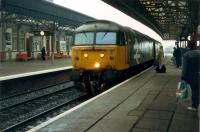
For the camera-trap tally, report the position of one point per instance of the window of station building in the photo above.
(1, 45)
(21, 42)
(14, 42)
(69, 41)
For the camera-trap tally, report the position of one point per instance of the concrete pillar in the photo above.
(18, 28)
(53, 42)
(2, 33)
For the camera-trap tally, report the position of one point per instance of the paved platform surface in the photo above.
(146, 103)
(18, 67)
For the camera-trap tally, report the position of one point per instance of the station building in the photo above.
(26, 29)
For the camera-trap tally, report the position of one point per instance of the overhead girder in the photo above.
(164, 14)
(134, 9)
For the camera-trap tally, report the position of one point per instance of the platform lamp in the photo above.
(42, 34)
(189, 38)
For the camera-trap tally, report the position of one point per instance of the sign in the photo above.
(166, 35)
(198, 30)
(183, 38)
(8, 39)
(63, 46)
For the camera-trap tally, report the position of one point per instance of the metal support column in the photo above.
(53, 43)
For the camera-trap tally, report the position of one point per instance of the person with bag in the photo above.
(160, 57)
(191, 72)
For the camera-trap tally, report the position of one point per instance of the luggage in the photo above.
(162, 70)
(182, 90)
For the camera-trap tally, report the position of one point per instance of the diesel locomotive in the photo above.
(104, 51)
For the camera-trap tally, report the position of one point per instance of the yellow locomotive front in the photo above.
(93, 58)
(98, 51)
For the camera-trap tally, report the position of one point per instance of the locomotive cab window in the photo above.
(121, 38)
(106, 37)
(86, 38)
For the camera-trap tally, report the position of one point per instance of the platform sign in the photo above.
(166, 35)
(198, 30)
(8, 39)
(183, 38)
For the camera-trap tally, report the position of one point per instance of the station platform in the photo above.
(19, 67)
(144, 103)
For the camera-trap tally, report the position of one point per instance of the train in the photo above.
(104, 51)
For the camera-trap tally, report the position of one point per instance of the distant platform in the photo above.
(15, 69)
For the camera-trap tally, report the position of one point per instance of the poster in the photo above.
(63, 46)
(8, 38)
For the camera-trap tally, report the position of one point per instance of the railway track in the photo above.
(21, 114)
(31, 95)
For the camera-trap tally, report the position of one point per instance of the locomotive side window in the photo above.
(121, 38)
(106, 38)
(84, 38)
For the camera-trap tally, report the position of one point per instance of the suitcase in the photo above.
(162, 70)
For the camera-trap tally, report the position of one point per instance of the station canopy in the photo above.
(169, 18)
(40, 12)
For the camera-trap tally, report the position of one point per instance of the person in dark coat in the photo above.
(43, 53)
(174, 56)
(178, 56)
(191, 72)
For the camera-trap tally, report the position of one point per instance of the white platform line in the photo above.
(33, 73)
(82, 104)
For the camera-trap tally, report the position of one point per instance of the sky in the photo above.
(100, 10)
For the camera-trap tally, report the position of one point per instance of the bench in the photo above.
(23, 56)
(58, 55)
(39, 56)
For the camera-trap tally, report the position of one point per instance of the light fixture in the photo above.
(42, 33)
(189, 37)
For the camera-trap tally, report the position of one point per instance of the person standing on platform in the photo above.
(178, 57)
(43, 53)
(160, 57)
(191, 72)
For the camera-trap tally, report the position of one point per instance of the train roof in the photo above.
(99, 25)
(105, 25)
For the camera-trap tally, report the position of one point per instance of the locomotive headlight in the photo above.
(85, 55)
(97, 65)
(101, 55)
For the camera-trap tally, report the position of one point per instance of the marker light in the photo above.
(85, 55)
(97, 65)
(102, 55)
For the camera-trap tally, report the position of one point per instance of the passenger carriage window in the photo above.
(106, 38)
(84, 38)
